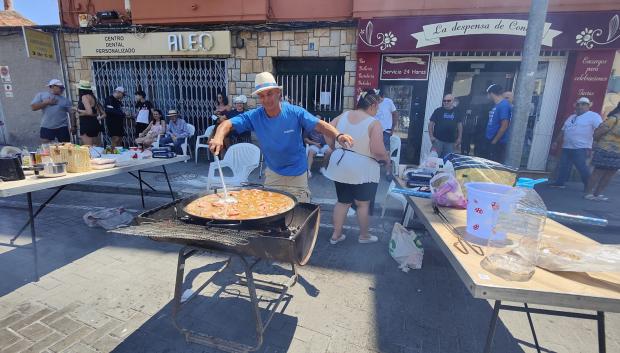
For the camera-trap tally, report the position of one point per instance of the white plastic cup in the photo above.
(484, 202)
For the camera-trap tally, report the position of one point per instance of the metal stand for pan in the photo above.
(249, 281)
(292, 245)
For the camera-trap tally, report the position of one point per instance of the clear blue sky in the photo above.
(41, 12)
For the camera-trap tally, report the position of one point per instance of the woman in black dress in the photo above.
(90, 114)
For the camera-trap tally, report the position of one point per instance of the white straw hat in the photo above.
(264, 81)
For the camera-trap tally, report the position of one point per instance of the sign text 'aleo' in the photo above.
(157, 43)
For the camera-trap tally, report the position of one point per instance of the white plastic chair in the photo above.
(241, 158)
(185, 146)
(398, 197)
(206, 135)
(318, 155)
(395, 144)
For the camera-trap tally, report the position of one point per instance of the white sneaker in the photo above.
(589, 197)
(334, 242)
(369, 240)
(601, 198)
(322, 170)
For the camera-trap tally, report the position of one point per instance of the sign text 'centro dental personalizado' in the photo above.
(156, 43)
(432, 33)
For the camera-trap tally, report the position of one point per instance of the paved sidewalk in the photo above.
(101, 292)
(570, 200)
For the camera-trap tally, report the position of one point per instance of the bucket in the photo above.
(484, 202)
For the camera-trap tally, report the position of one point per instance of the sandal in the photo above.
(336, 241)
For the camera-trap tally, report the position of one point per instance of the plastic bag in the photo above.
(446, 191)
(514, 240)
(108, 218)
(406, 248)
(472, 169)
(560, 255)
(431, 163)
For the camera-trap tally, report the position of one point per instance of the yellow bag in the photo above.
(475, 169)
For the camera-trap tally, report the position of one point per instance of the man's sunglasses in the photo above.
(61, 87)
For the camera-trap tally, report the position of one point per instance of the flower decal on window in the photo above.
(590, 37)
(585, 38)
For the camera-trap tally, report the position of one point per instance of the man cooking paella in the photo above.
(278, 126)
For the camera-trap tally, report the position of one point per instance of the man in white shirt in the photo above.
(388, 117)
(577, 135)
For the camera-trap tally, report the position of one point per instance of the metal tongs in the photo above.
(226, 199)
(460, 243)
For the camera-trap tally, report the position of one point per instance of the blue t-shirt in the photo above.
(280, 137)
(501, 111)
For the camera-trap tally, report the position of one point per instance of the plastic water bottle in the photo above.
(26, 160)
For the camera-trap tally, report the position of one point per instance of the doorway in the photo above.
(409, 100)
(315, 84)
(468, 82)
(189, 86)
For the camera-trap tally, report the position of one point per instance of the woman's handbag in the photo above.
(598, 137)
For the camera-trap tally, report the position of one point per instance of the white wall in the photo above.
(28, 76)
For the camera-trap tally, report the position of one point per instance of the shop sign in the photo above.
(366, 75)
(562, 31)
(156, 44)
(39, 44)
(432, 33)
(405, 67)
(589, 78)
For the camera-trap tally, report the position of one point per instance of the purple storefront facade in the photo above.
(416, 60)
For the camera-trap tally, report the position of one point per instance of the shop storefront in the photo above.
(185, 70)
(416, 60)
(177, 70)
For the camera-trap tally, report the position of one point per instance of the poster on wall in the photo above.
(366, 75)
(5, 74)
(405, 67)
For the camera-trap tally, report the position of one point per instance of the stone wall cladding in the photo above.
(257, 55)
(326, 42)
